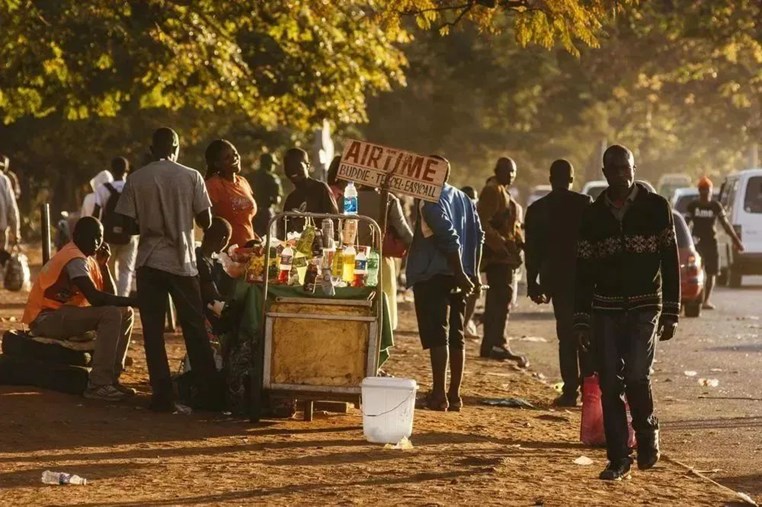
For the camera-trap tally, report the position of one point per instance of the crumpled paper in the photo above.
(403, 445)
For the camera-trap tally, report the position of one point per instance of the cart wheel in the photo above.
(309, 407)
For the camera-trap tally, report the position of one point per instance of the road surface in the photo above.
(714, 429)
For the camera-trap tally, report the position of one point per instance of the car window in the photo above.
(752, 202)
(731, 198)
(684, 239)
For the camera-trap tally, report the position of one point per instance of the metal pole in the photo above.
(45, 230)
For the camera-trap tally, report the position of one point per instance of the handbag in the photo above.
(393, 246)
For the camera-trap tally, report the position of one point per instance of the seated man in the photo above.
(73, 294)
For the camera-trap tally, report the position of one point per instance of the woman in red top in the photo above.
(231, 195)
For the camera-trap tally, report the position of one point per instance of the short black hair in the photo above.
(561, 169)
(119, 167)
(219, 227)
(164, 142)
(86, 228)
(470, 192)
(616, 153)
(292, 159)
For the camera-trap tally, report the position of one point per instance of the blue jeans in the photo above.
(624, 345)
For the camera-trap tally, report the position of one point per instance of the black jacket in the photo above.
(627, 265)
(552, 229)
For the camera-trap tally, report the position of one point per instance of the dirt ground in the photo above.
(484, 455)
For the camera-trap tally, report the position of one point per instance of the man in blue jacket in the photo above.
(443, 269)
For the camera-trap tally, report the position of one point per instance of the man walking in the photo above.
(268, 192)
(124, 246)
(164, 198)
(552, 227)
(702, 215)
(502, 217)
(443, 269)
(10, 223)
(627, 296)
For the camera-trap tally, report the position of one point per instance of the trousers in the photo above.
(573, 361)
(113, 330)
(497, 306)
(624, 345)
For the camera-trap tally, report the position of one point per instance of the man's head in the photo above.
(447, 163)
(165, 143)
(561, 174)
(267, 162)
(88, 235)
(5, 163)
(705, 188)
(505, 170)
(218, 234)
(119, 168)
(470, 192)
(619, 168)
(296, 165)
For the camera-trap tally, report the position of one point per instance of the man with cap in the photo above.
(702, 214)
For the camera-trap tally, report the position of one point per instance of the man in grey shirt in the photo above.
(164, 198)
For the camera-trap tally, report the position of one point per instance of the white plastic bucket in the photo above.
(388, 405)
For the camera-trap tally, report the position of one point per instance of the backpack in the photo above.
(114, 228)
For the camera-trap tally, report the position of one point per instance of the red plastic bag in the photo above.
(591, 431)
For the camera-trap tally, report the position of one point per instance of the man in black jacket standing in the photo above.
(552, 227)
(627, 296)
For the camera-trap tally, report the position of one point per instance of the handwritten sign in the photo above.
(407, 173)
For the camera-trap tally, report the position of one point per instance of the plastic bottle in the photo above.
(337, 266)
(350, 199)
(348, 272)
(361, 268)
(60, 478)
(373, 262)
(286, 260)
(311, 278)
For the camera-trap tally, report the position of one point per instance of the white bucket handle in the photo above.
(412, 393)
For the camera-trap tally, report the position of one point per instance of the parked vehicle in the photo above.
(692, 278)
(684, 196)
(668, 183)
(538, 192)
(595, 188)
(741, 196)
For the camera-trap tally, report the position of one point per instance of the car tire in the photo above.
(693, 309)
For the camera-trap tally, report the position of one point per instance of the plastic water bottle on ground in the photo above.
(61, 478)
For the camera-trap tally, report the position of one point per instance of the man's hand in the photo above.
(667, 328)
(583, 338)
(739, 245)
(14, 238)
(477, 281)
(103, 254)
(464, 283)
(536, 294)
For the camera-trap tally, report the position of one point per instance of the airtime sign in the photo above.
(407, 173)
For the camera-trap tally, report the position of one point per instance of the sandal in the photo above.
(456, 403)
(429, 402)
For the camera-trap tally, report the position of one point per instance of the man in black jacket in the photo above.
(627, 296)
(552, 227)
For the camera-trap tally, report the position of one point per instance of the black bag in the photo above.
(114, 226)
(22, 371)
(17, 274)
(19, 344)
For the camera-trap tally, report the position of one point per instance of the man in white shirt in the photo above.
(10, 224)
(124, 247)
(162, 200)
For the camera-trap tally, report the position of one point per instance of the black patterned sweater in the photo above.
(627, 265)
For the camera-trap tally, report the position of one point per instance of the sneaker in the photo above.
(128, 391)
(103, 393)
(617, 470)
(648, 449)
(565, 400)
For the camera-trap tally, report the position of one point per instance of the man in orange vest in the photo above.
(74, 294)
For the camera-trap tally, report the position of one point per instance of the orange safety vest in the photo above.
(53, 288)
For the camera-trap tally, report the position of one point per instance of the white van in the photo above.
(741, 196)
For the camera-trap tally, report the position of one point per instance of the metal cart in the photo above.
(313, 348)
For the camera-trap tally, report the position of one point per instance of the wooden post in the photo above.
(45, 230)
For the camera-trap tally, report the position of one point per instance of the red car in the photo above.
(691, 269)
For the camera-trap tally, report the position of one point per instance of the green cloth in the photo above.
(247, 302)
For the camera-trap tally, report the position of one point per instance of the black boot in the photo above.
(648, 448)
(617, 470)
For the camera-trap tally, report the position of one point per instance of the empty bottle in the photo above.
(350, 199)
(60, 478)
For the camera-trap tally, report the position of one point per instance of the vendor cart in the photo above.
(314, 347)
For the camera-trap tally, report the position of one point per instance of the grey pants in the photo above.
(112, 326)
(122, 264)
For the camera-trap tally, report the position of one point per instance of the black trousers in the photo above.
(573, 361)
(153, 288)
(497, 306)
(440, 313)
(624, 346)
